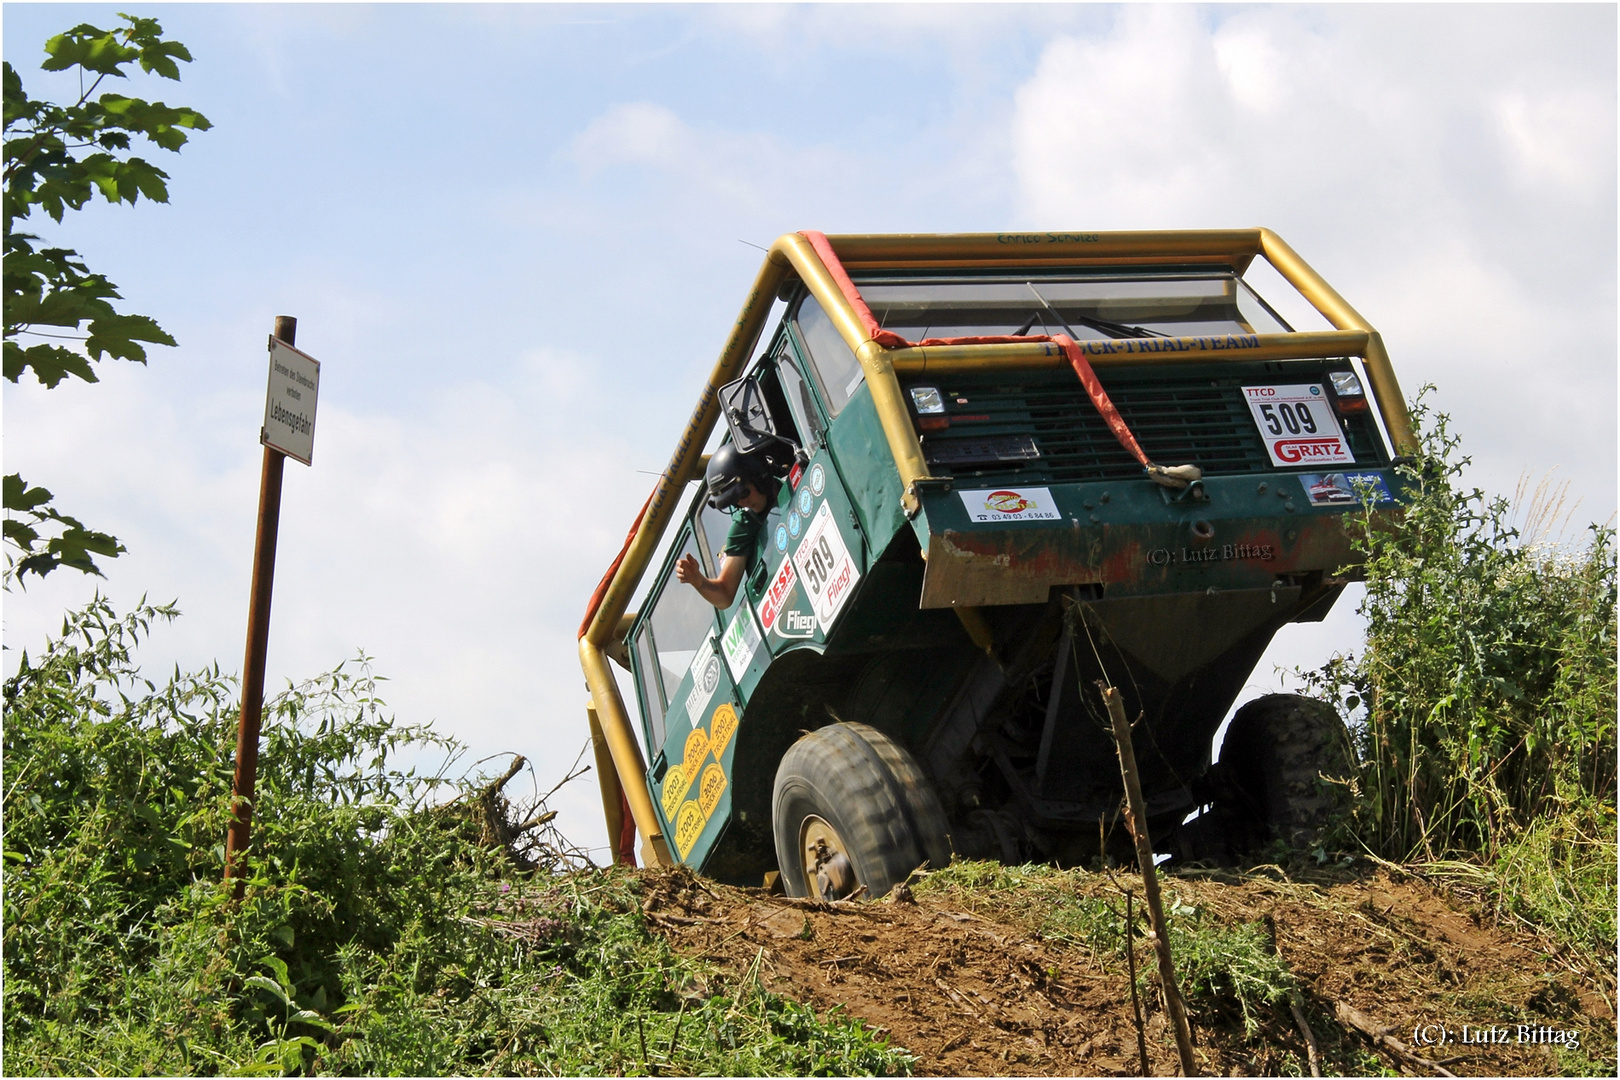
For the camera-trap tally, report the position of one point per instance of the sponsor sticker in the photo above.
(829, 573)
(806, 500)
(688, 827)
(696, 749)
(818, 480)
(675, 785)
(739, 642)
(1345, 488)
(780, 589)
(1010, 504)
(705, 678)
(794, 623)
(781, 538)
(793, 524)
(710, 788)
(1298, 425)
(722, 726)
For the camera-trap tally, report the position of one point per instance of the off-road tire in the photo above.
(869, 789)
(1285, 759)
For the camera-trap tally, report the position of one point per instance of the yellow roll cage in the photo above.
(792, 253)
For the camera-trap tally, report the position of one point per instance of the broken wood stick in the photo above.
(1136, 817)
(1380, 1035)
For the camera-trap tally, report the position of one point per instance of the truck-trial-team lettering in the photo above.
(1214, 553)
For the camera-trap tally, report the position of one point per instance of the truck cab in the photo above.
(1005, 470)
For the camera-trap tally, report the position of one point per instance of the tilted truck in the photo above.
(1006, 467)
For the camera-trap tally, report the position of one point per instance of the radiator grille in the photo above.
(1178, 421)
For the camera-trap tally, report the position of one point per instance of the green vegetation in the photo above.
(382, 930)
(57, 158)
(1483, 704)
(1220, 964)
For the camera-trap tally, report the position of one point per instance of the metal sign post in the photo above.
(288, 431)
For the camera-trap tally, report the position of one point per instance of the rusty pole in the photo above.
(258, 642)
(1135, 813)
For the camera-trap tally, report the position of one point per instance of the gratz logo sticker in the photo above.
(818, 479)
(829, 573)
(740, 641)
(1298, 425)
(1010, 504)
(780, 589)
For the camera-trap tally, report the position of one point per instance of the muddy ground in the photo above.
(966, 981)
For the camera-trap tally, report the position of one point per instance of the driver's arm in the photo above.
(719, 591)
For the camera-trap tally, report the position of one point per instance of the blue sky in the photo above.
(516, 235)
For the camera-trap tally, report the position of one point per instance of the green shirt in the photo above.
(743, 536)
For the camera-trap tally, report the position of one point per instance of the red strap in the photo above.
(602, 587)
(624, 850)
(891, 340)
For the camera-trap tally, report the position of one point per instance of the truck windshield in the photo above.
(1087, 308)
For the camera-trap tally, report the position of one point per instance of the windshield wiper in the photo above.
(1112, 329)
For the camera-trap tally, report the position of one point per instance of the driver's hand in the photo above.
(687, 570)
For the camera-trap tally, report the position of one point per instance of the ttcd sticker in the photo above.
(1298, 425)
(1010, 504)
(829, 573)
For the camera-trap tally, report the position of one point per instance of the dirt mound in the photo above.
(974, 980)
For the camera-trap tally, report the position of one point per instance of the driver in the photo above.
(744, 486)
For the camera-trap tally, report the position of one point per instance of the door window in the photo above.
(801, 403)
(835, 365)
(680, 625)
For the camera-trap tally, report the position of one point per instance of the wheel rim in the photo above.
(828, 871)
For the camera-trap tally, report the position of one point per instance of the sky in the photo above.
(517, 235)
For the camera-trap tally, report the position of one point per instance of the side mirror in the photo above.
(753, 429)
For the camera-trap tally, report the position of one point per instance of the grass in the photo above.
(382, 930)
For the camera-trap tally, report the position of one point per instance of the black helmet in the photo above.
(729, 476)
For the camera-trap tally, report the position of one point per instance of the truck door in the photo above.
(689, 703)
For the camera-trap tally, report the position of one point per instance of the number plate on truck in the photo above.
(1298, 425)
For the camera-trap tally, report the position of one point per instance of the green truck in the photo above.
(1001, 469)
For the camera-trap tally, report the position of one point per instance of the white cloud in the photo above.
(1451, 171)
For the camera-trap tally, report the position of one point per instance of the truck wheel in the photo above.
(1285, 757)
(852, 808)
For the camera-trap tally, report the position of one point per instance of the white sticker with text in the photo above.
(740, 641)
(1298, 425)
(824, 564)
(1010, 504)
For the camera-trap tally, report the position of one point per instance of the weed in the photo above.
(382, 930)
(1483, 703)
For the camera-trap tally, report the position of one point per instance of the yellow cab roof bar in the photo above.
(792, 254)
